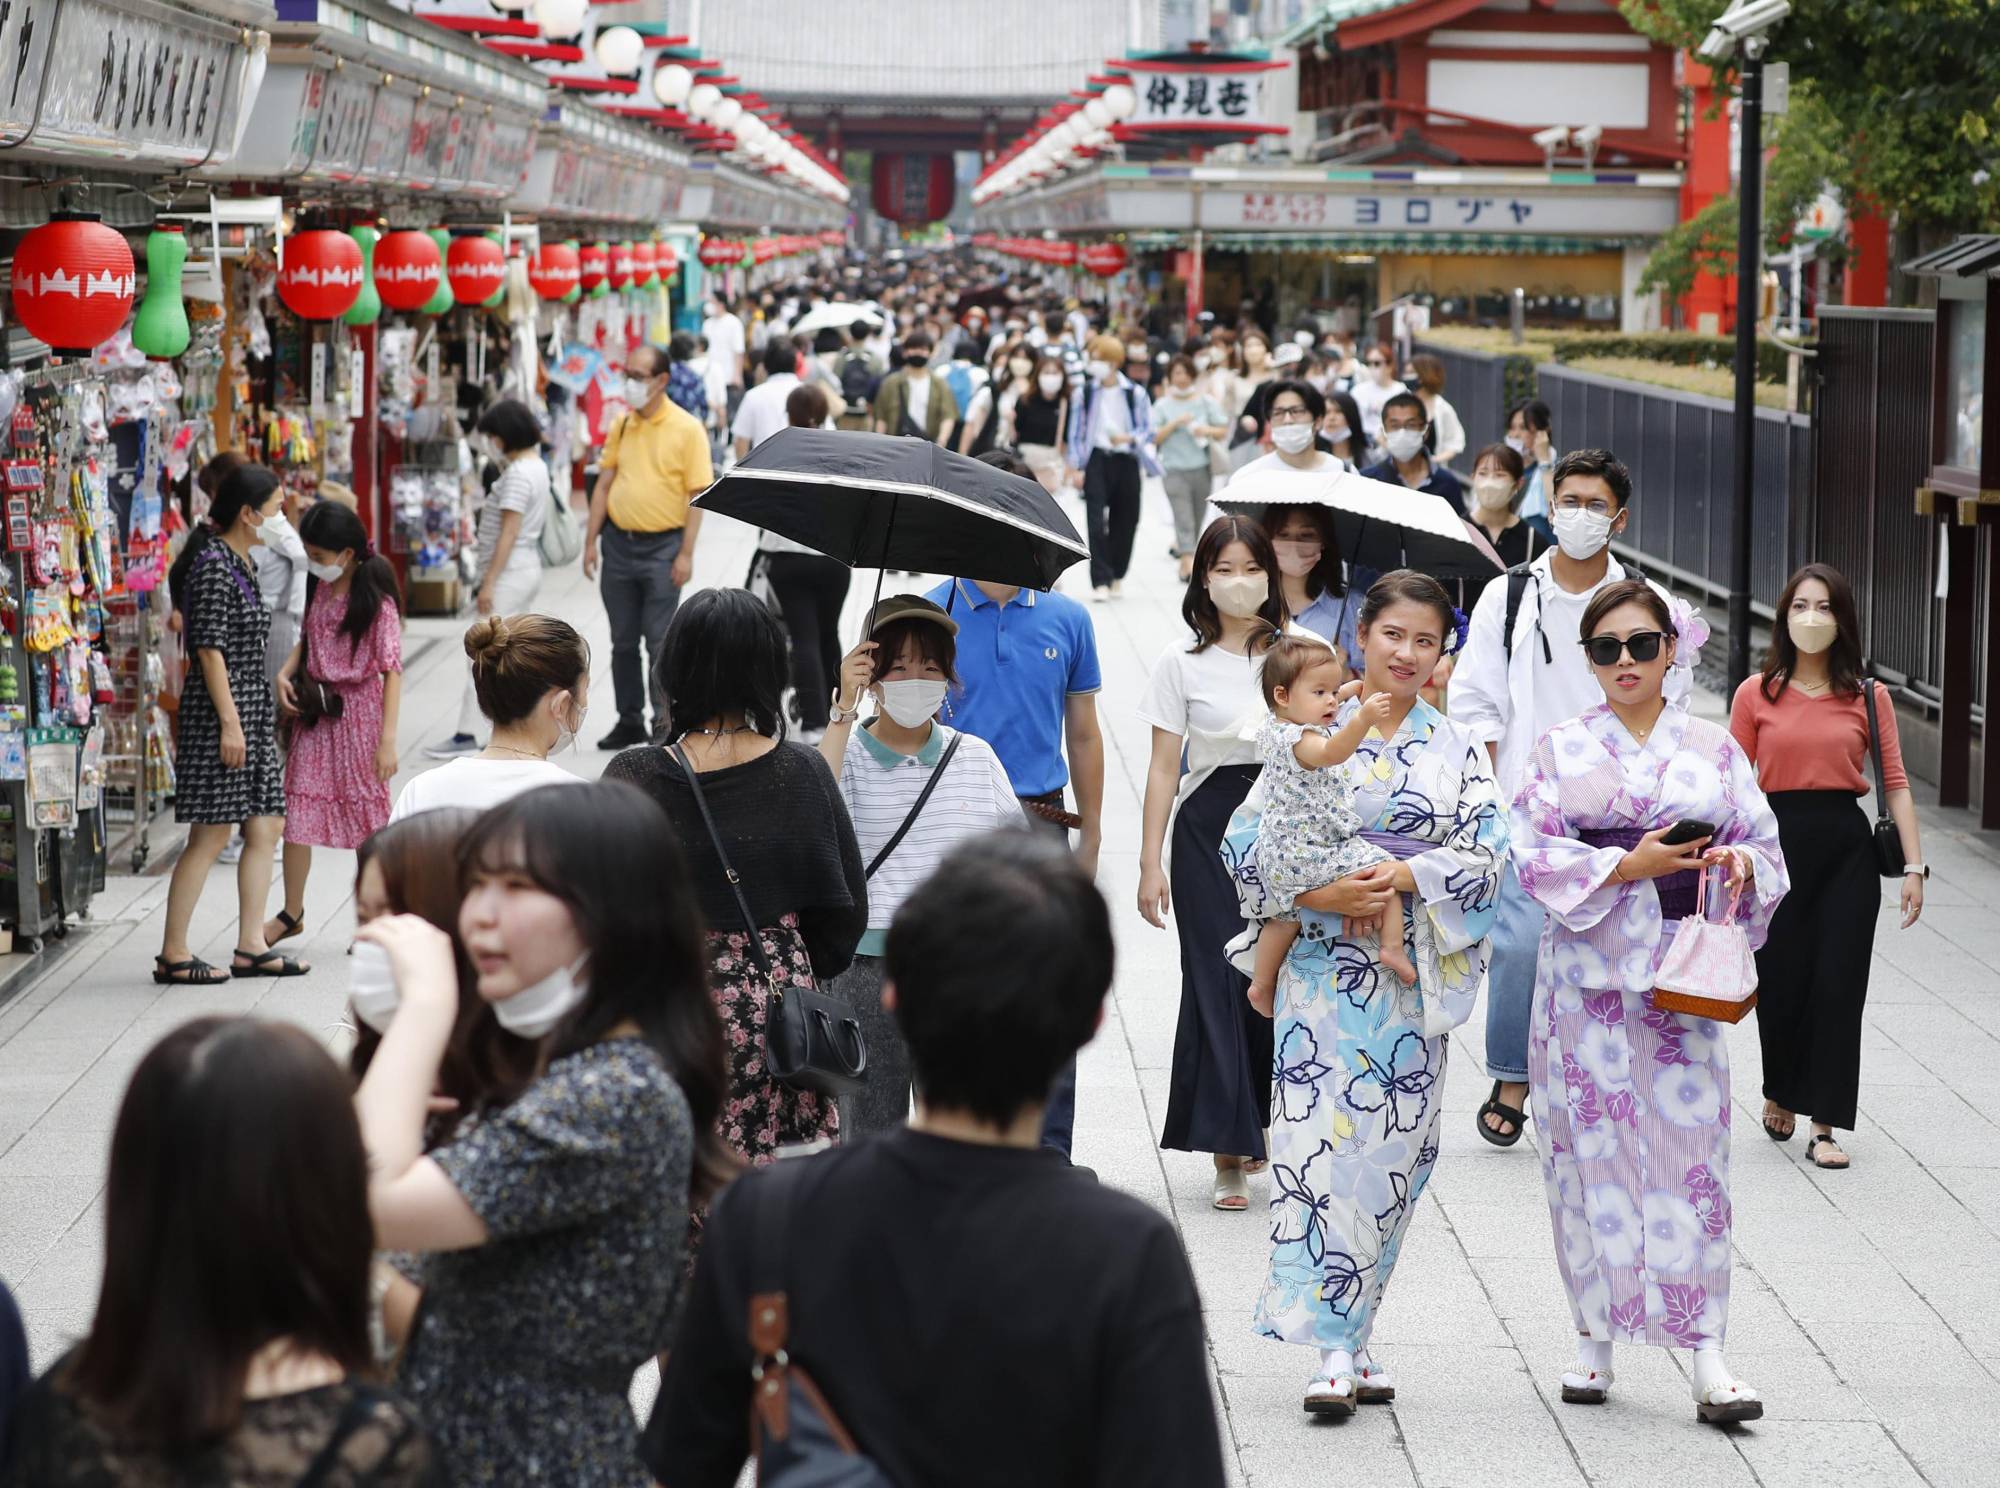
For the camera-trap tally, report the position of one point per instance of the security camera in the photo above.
(1552, 138)
(1745, 20)
(1589, 135)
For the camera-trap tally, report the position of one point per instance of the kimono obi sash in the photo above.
(1398, 845)
(1676, 890)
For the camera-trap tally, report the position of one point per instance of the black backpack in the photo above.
(858, 381)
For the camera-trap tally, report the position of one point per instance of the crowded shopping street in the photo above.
(1108, 744)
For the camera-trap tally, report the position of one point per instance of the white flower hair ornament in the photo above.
(1690, 632)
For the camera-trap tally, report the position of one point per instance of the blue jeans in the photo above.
(1510, 979)
(1059, 1116)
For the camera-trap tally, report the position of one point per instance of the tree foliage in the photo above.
(1896, 101)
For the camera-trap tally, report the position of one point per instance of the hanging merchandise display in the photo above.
(74, 281)
(321, 275)
(160, 329)
(595, 262)
(408, 269)
(475, 268)
(555, 271)
(367, 306)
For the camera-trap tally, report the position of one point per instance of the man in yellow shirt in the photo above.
(655, 460)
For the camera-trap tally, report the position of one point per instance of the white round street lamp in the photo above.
(671, 84)
(620, 50)
(701, 101)
(1121, 100)
(561, 20)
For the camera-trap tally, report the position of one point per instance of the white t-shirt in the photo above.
(523, 487)
(725, 344)
(476, 784)
(974, 796)
(762, 411)
(1369, 396)
(1323, 464)
(918, 398)
(1212, 690)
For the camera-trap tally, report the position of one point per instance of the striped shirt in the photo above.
(880, 786)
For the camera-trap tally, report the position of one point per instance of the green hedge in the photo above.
(1677, 347)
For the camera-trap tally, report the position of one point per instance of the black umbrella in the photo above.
(886, 501)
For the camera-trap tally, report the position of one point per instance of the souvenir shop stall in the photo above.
(102, 409)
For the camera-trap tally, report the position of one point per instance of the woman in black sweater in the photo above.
(724, 666)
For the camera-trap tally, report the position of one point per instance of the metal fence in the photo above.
(1476, 386)
(1680, 448)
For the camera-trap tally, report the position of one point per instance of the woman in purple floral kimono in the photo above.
(1631, 1103)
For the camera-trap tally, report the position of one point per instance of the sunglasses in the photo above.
(1644, 645)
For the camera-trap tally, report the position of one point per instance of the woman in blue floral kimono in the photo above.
(1631, 1102)
(1360, 1058)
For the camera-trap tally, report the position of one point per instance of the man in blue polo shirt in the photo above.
(1027, 665)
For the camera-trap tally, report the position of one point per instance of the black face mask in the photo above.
(916, 361)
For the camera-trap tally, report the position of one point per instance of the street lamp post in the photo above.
(1749, 266)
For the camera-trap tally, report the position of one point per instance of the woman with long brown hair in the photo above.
(1805, 725)
(230, 1345)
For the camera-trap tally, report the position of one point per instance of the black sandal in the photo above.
(1517, 1119)
(1783, 1134)
(293, 925)
(193, 972)
(262, 964)
(1812, 1146)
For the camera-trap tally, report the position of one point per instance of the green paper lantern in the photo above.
(494, 300)
(160, 329)
(443, 300)
(575, 290)
(366, 310)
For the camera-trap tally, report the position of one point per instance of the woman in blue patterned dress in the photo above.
(558, 1223)
(1359, 1068)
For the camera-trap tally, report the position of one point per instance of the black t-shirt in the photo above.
(974, 1315)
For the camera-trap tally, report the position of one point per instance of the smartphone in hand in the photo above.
(1686, 831)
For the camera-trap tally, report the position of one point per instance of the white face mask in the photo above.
(638, 392)
(565, 733)
(1811, 631)
(326, 573)
(1403, 444)
(1095, 370)
(1492, 491)
(1240, 596)
(1292, 438)
(1579, 533)
(912, 701)
(1337, 430)
(371, 985)
(1050, 383)
(1201, 361)
(1303, 338)
(1020, 368)
(534, 1010)
(1518, 445)
(1297, 557)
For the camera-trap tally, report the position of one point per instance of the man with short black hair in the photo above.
(972, 1311)
(1405, 422)
(914, 400)
(762, 411)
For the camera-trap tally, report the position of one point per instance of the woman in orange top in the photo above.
(1804, 725)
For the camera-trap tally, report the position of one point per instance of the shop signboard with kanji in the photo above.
(1211, 95)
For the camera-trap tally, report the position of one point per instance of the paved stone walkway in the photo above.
(1864, 1303)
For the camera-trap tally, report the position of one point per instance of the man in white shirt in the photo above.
(1511, 695)
(726, 345)
(762, 411)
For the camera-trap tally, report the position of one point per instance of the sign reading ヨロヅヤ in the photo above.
(1595, 212)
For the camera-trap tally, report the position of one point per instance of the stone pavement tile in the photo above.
(1916, 1351)
(1240, 1354)
(49, 1150)
(1977, 1188)
(1938, 1125)
(1947, 1431)
(1963, 1296)
(1519, 1228)
(1474, 1416)
(1888, 983)
(1842, 1292)
(39, 1212)
(1313, 1458)
(1796, 1384)
(59, 1295)
(1812, 1454)
(1527, 1287)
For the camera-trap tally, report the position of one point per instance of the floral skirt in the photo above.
(761, 1115)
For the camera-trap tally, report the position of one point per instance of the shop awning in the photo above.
(1379, 243)
(721, 197)
(360, 94)
(148, 83)
(590, 167)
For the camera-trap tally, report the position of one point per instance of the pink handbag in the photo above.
(1709, 971)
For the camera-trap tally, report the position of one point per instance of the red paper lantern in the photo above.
(476, 266)
(1058, 253)
(717, 251)
(914, 188)
(320, 275)
(645, 265)
(1104, 259)
(595, 262)
(408, 269)
(666, 262)
(73, 282)
(555, 270)
(624, 267)
(763, 250)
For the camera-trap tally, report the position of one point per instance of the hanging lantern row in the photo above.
(1103, 259)
(721, 252)
(1053, 251)
(1067, 134)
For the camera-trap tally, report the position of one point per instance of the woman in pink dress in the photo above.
(349, 663)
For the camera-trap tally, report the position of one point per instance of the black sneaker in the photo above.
(624, 736)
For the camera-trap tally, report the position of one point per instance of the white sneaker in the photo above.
(1099, 594)
(456, 747)
(232, 850)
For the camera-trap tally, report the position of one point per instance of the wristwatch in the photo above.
(837, 714)
(1922, 870)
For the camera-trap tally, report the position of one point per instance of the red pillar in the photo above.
(1713, 295)
(1868, 263)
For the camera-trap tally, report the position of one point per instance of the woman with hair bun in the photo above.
(227, 770)
(532, 677)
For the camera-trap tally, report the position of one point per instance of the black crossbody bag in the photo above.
(812, 1041)
(1889, 858)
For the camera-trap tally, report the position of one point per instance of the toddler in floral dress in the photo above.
(349, 663)
(1311, 833)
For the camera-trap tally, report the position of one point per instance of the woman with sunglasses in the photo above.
(1805, 725)
(1372, 392)
(1631, 1103)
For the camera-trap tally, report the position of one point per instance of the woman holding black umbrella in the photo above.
(1219, 1099)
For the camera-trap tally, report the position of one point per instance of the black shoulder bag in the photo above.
(795, 1438)
(1889, 858)
(811, 1041)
